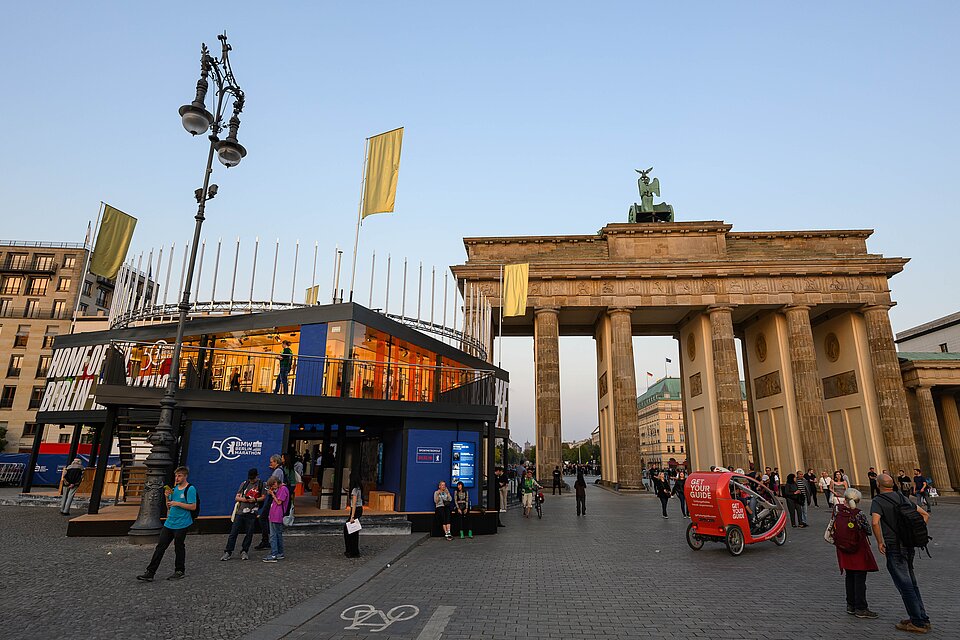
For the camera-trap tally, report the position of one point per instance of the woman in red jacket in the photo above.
(851, 533)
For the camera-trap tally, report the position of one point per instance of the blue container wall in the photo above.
(422, 477)
(392, 461)
(219, 455)
(313, 342)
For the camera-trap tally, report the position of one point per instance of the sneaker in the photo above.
(281, 557)
(866, 613)
(906, 625)
(176, 575)
(907, 621)
(244, 556)
(262, 547)
(270, 559)
(148, 577)
(226, 556)
(851, 611)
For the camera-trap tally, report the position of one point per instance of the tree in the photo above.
(3, 440)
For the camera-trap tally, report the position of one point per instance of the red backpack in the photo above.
(847, 533)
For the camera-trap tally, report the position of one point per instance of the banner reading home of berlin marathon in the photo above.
(113, 240)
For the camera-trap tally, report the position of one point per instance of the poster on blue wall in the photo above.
(220, 455)
(463, 466)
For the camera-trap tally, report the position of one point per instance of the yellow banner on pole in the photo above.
(383, 169)
(313, 294)
(515, 289)
(113, 240)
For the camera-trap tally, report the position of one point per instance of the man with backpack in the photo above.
(249, 498)
(901, 528)
(182, 506)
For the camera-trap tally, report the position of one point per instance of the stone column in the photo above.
(733, 431)
(931, 434)
(546, 361)
(951, 431)
(624, 382)
(808, 390)
(891, 396)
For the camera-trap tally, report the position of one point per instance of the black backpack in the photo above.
(909, 525)
(196, 512)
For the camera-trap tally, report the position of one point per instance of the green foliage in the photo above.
(3, 440)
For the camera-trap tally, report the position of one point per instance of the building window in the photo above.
(32, 310)
(38, 286)
(16, 364)
(35, 396)
(11, 285)
(82, 308)
(101, 297)
(63, 438)
(943, 348)
(69, 262)
(43, 365)
(5, 308)
(7, 396)
(23, 334)
(17, 261)
(48, 336)
(86, 287)
(681, 448)
(64, 284)
(29, 429)
(59, 309)
(43, 263)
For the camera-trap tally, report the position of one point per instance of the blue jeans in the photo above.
(803, 511)
(900, 566)
(276, 539)
(67, 499)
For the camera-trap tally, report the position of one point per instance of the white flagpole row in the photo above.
(386, 297)
(273, 279)
(296, 258)
(203, 249)
(253, 272)
(373, 270)
(166, 286)
(216, 273)
(313, 277)
(233, 281)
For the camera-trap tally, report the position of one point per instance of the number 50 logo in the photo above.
(226, 449)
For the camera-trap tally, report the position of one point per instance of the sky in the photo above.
(520, 119)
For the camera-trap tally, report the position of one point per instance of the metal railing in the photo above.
(265, 371)
(42, 245)
(33, 312)
(24, 266)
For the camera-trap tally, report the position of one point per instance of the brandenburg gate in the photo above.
(810, 308)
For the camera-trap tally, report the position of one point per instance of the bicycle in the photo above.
(538, 503)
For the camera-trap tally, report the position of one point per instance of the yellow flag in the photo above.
(313, 293)
(113, 240)
(515, 289)
(383, 168)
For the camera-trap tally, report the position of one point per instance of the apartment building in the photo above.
(39, 287)
(660, 416)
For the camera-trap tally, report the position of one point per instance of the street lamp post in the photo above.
(196, 120)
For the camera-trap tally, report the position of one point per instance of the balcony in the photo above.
(35, 266)
(254, 372)
(34, 313)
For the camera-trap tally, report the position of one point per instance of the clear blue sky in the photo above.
(521, 118)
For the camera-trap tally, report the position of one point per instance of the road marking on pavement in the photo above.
(369, 618)
(437, 623)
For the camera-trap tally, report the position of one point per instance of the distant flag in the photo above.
(87, 238)
(515, 278)
(383, 170)
(649, 375)
(113, 240)
(312, 294)
(668, 360)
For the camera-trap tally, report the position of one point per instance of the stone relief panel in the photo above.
(602, 385)
(831, 346)
(767, 385)
(760, 346)
(842, 384)
(696, 385)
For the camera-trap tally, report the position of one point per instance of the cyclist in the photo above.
(528, 488)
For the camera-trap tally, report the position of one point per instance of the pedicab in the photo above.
(733, 509)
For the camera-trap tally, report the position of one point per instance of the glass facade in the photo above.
(377, 366)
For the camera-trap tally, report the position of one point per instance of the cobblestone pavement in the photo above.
(57, 587)
(624, 572)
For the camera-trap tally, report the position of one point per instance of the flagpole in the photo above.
(86, 265)
(500, 323)
(356, 240)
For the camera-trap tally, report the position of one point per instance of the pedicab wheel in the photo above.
(781, 538)
(735, 541)
(695, 541)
